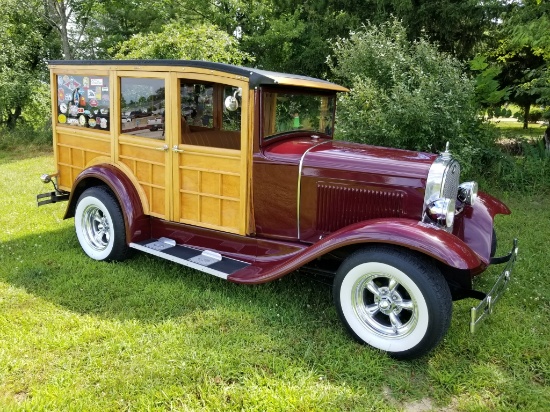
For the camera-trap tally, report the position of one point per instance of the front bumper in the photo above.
(485, 307)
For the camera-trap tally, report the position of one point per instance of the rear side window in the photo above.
(83, 101)
(142, 107)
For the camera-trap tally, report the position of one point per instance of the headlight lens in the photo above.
(442, 211)
(467, 193)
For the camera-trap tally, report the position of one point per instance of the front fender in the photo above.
(424, 238)
(135, 221)
(475, 224)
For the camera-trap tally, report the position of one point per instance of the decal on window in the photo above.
(80, 99)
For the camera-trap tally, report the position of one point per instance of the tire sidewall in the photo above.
(370, 336)
(425, 285)
(95, 197)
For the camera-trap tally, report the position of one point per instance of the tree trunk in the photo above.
(58, 13)
(12, 118)
(526, 111)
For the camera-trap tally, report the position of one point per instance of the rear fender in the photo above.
(135, 220)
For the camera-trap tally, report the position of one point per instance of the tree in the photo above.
(458, 27)
(203, 42)
(69, 18)
(112, 22)
(404, 94)
(27, 41)
(524, 54)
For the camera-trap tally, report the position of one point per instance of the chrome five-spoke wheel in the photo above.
(96, 228)
(384, 305)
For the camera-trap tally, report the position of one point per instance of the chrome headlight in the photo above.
(467, 193)
(442, 211)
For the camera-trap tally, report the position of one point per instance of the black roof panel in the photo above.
(256, 76)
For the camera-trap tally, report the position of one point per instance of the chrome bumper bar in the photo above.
(485, 307)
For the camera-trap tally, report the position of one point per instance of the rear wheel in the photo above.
(99, 225)
(393, 300)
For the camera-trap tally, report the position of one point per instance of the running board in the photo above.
(206, 261)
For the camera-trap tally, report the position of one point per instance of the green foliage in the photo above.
(457, 27)
(487, 87)
(527, 173)
(499, 111)
(25, 43)
(535, 115)
(405, 94)
(523, 53)
(37, 112)
(203, 42)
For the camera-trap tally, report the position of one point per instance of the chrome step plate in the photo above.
(206, 261)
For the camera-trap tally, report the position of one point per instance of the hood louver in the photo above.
(340, 206)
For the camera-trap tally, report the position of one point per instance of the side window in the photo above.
(197, 104)
(210, 114)
(142, 107)
(83, 101)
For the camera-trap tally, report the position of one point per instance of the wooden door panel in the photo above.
(148, 165)
(210, 187)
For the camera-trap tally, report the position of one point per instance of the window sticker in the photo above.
(83, 101)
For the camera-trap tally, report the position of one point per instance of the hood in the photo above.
(352, 157)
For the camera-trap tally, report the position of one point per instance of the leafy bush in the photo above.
(37, 113)
(406, 95)
(203, 42)
(535, 115)
(499, 111)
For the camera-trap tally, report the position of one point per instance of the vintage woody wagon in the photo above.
(234, 172)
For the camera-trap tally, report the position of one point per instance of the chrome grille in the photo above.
(451, 180)
(442, 182)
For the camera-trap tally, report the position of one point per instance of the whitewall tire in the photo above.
(393, 300)
(99, 225)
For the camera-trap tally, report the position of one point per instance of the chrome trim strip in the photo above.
(299, 190)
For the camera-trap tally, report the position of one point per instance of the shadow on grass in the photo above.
(53, 266)
(290, 323)
(292, 318)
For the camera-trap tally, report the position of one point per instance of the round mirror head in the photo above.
(231, 103)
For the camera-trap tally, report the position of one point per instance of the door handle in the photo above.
(176, 150)
(164, 148)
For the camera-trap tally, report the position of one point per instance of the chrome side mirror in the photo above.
(231, 103)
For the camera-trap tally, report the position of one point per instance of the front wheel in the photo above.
(393, 300)
(100, 226)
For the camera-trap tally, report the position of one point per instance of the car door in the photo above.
(211, 152)
(143, 136)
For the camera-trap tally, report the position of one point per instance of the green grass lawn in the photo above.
(514, 130)
(146, 334)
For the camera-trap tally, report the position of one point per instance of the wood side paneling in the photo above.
(210, 188)
(74, 152)
(148, 166)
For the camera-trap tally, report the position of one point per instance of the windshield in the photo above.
(285, 112)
